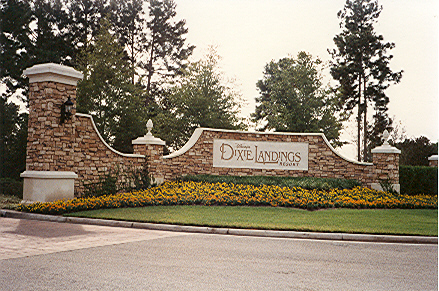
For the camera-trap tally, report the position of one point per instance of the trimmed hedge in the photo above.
(418, 180)
(11, 187)
(309, 183)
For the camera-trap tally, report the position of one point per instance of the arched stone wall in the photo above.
(75, 148)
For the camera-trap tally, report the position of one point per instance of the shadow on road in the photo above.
(39, 229)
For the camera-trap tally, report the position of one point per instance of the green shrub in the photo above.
(11, 187)
(303, 182)
(106, 185)
(418, 180)
(116, 181)
(139, 179)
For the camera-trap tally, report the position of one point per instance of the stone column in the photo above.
(386, 163)
(152, 148)
(432, 161)
(51, 134)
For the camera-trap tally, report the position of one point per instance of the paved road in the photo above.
(41, 255)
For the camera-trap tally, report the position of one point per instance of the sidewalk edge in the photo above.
(226, 231)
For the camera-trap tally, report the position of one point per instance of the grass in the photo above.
(373, 221)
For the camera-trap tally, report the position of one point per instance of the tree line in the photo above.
(136, 65)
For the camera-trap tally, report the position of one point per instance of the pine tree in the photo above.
(82, 21)
(15, 43)
(293, 99)
(166, 53)
(361, 66)
(130, 24)
(51, 43)
(202, 97)
(107, 93)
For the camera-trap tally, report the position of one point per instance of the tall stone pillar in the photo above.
(386, 162)
(432, 161)
(152, 148)
(50, 142)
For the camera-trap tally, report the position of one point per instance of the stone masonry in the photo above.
(76, 146)
(323, 161)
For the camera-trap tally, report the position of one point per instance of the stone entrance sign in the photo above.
(260, 155)
(66, 156)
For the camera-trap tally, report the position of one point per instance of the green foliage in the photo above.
(11, 187)
(107, 92)
(129, 22)
(13, 140)
(293, 99)
(67, 32)
(15, 19)
(81, 22)
(117, 180)
(9, 201)
(139, 179)
(200, 98)
(387, 186)
(165, 50)
(361, 67)
(51, 43)
(418, 180)
(302, 182)
(106, 185)
(416, 151)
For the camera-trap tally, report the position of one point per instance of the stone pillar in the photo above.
(50, 142)
(152, 148)
(386, 163)
(432, 161)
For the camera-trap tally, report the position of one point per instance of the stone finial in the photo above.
(149, 126)
(386, 148)
(148, 138)
(386, 136)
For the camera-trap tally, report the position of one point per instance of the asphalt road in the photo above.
(41, 255)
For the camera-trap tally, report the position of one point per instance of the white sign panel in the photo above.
(260, 154)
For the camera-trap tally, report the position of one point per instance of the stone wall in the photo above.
(93, 158)
(75, 145)
(323, 161)
(49, 143)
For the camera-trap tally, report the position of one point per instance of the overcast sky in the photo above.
(250, 33)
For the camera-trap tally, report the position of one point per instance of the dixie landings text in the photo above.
(260, 155)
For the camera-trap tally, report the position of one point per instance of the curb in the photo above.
(226, 231)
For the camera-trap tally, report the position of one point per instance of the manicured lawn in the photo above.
(373, 221)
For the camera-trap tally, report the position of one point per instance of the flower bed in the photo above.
(199, 193)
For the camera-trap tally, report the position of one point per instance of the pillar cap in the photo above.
(433, 158)
(51, 72)
(148, 138)
(49, 175)
(385, 149)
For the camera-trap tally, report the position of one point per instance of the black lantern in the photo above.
(66, 110)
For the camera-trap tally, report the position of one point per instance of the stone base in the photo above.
(377, 186)
(158, 180)
(48, 186)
